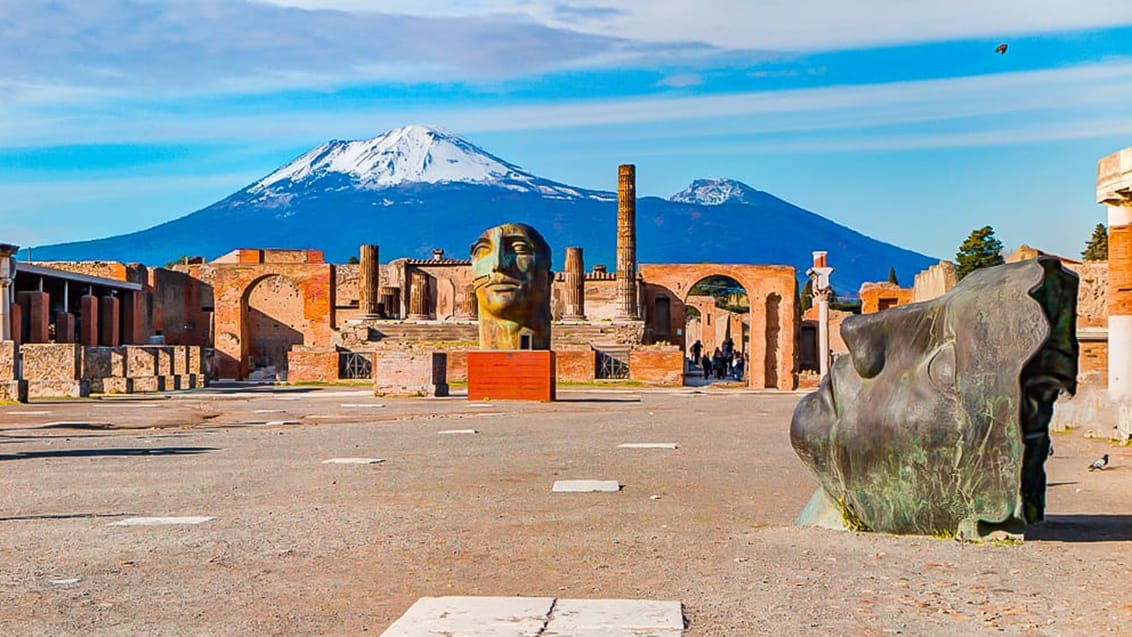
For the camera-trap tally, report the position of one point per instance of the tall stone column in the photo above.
(7, 284)
(627, 242)
(110, 321)
(418, 296)
(369, 275)
(823, 292)
(39, 317)
(575, 279)
(467, 307)
(88, 320)
(1114, 190)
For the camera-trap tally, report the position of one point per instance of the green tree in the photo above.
(178, 261)
(806, 298)
(352, 260)
(980, 250)
(1096, 249)
(892, 275)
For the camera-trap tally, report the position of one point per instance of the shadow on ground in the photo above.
(88, 453)
(1083, 528)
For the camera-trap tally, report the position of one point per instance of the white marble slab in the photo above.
(615, 618)
(362, 405)
(274, 423)
(473, 617)
(585, 486)
(458, 431)
(647, 445)
(270, 411)
(27, 413)
(353, 461)
(161, 521)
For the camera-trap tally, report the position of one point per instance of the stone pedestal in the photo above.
(511, 375)
(410, 373)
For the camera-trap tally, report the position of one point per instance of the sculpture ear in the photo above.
(866, 340)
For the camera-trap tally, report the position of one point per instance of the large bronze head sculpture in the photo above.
(511, 277)
(937, 420)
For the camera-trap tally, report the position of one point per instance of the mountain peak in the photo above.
(713, 192)
(410, 154)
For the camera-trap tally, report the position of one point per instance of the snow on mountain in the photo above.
(713, 192)
(406, 155)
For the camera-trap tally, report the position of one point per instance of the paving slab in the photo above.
(270, 411)
(362, 405)
(615, 618)
(273, 423)
(458, 431)
(647, 445)
(353, 461)
(473, 617)
(162, 521)
(27, 413)
(585, 486)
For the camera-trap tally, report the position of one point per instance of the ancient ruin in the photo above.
(937, 422)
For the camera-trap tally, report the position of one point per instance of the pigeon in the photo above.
(1099, 464)
(1000, 49)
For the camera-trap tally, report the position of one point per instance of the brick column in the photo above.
(390, 302)
(1114, 190)
(88, 320)
(110, 313)
(418, 296)
(575, 279)
(64, 327)
(16, 323)
(369, 279)
(39, 317)
(132, 315)
(627, 242)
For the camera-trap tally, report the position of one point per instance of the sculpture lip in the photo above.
(504, 285)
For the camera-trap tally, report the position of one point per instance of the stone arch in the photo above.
(770, 288)
(272, 309)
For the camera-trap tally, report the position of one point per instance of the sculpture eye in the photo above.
(480, 249)
(522, 247)
(941, 367)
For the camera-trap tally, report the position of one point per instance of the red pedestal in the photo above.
(511, 375)
(64, 327)
(109, 322)
(88, 321)
(39, 317)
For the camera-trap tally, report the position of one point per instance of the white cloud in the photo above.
(780, 24)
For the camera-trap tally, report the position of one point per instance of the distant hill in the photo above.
(417, 188)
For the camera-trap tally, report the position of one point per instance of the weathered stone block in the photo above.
(657, 366)
(13, 390)
(51, 362)
(144, 384)
(410, 373)
(58, 389)
(140, 362)
(112, 385)
(7, 360)
(180, 359)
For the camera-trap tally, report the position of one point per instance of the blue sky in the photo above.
(895, 118)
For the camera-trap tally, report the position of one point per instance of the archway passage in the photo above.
(717, 325)
(272, 324)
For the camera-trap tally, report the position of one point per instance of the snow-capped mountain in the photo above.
(418, 188)
(413, 154)
(713, 192)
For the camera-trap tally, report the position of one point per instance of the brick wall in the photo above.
(575, 365)
(657, 366)
(312, 365)
(1092, 364)
(883, 295)
(409, 373)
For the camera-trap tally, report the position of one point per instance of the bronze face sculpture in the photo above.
(511, 277)
(937, 420)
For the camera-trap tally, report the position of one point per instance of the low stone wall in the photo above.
(71, 370)
(575, 365)
(657, 366)
(410, 372)
(53, 370)
(312, 365)
(7, 360)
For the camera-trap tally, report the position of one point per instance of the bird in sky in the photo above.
(1099, 464)
(1000, 49)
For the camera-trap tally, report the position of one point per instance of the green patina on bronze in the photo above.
(937, 421)
(511, 276)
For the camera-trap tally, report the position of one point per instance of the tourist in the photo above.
(718, 363)
(705, 362)
(737, 366)
(697, 347)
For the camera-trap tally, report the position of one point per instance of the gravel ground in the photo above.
(301, 547)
